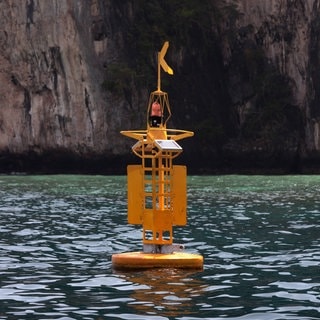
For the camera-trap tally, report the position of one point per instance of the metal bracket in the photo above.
(163, 248)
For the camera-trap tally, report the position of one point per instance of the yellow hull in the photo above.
(141, 260)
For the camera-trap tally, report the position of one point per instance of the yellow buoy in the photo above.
(157, 193)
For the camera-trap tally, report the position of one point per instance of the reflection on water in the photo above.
(170, 292)
(259, 236)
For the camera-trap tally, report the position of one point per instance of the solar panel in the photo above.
(168, 145)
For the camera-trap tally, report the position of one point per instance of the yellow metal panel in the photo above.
(157, 133)
(135, 194)
(179, 195)
(162, 219)
(148, 220)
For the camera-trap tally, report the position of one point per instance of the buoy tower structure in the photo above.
(157, 189)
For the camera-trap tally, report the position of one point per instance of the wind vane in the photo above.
(157, 189)
(163, 63)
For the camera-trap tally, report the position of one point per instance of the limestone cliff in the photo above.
(50, 79)
(287, 32)
(74, 73)
(269, 50)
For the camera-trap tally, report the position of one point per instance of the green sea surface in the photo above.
(259, 236)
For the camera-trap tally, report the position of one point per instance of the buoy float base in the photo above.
(141, 260)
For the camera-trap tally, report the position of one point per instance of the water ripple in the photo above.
(258, 235)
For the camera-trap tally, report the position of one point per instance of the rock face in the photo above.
(288, 33)
(58, 57)
(50, 78)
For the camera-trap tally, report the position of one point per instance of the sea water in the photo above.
(259, 236)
